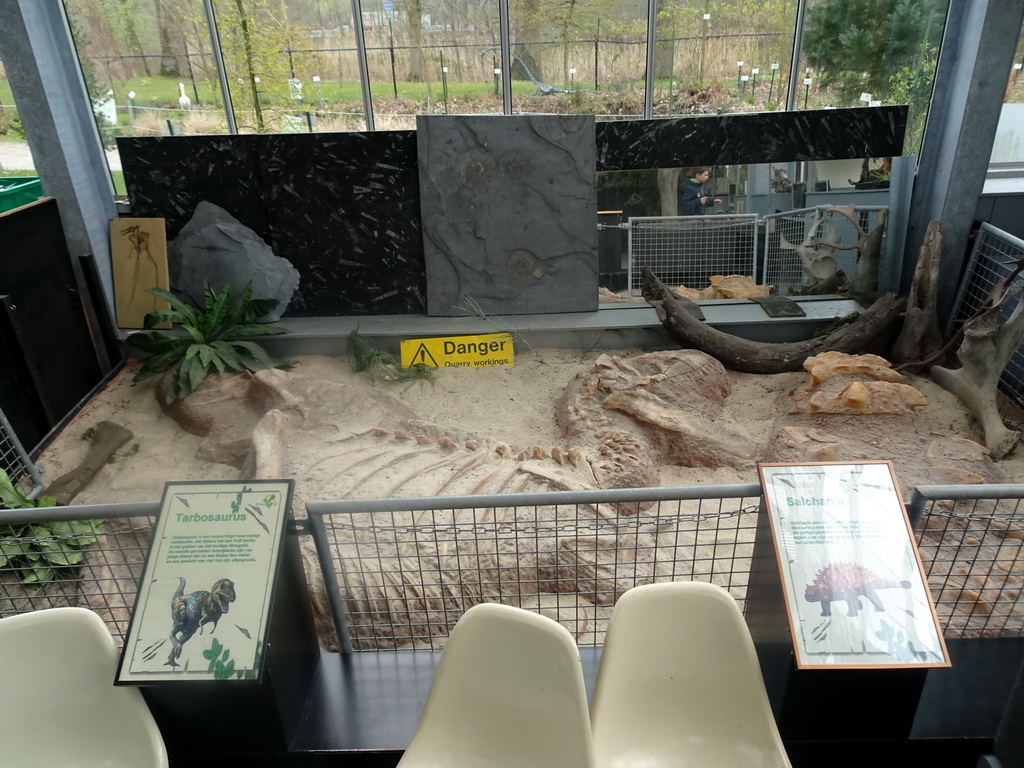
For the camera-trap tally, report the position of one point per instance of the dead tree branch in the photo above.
(758, 356)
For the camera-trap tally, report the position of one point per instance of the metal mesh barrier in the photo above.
(992, 261)
(687, 250)
(971, 550)
(89, 556)
(781, 265)
(401, 572)
(26, 476)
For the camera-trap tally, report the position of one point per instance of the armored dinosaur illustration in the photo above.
(848, 582)
(191, 612)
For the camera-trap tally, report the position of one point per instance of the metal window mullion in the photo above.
(794, 64)
(652, 18)
(218, 62)
(506, 57)
(364, 70)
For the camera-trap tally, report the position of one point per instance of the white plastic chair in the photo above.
(679, 684)
(508, 691)
(58, 702)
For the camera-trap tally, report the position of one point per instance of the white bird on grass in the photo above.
(184, 102)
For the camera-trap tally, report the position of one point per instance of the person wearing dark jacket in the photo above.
(693, 201)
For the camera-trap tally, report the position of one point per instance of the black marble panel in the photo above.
(753, 137)
(344, 209)
(509, 209)
(168, 176)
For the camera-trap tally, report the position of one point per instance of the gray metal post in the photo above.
(794, 62)
(977, 50)
(652, 24)
(218, 60)
(364, 72)
(506, 58)
(55, 109)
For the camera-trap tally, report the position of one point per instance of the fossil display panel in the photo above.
(509, 213)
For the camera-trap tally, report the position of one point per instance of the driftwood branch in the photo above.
(986, 349)
(758, 356)
(921, 337)
(108, 438)
(868, 246)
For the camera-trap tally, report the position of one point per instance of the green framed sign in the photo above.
(203, 606)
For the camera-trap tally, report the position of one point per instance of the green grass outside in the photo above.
(116, 176)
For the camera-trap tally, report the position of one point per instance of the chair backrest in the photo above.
(679, 684)
(58, 702)
(508, 691)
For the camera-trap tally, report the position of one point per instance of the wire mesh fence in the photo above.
(971, 550)
(789, 233)
(90, 556)
(992, 261)
(15, 461)
(400, 572)
(688, 250)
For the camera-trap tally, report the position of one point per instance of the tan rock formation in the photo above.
(864, 384)
(738, 287)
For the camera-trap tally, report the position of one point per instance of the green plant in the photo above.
(213, 338)
(221, 663)
(37, 549)
(381, 366)
(471, 306)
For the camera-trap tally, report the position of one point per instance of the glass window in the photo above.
(148, 67)
(17, 166)
(872, 52)
(1008, 147)
(722, 56)
(584, 57)
(432, 58)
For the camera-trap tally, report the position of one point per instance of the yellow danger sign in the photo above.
(459, 351)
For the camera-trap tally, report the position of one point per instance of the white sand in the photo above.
(515, 405)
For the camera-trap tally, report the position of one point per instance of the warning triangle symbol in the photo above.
(422, 356)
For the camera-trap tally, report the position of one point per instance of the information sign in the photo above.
(460, 351)
(851, 573)
(203, 605)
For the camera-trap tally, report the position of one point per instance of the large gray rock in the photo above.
(217, 247)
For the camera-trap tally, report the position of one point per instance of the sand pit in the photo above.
(515, 406)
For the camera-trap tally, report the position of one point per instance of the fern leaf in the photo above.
(260, 307)
(188, 313)
(240, 308)
(214, 321)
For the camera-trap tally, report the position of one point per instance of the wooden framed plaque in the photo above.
(854, 587)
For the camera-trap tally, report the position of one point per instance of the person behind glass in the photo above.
(693, 200)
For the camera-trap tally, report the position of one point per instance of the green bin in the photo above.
(16, 191)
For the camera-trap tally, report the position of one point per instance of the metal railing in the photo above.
(970, 539)
(990, 262)
(90, 556)
(687, 250)
(15, 461)
(400, 572)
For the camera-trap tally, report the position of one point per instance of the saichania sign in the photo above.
(494, 349)
(851, 573)
(203, 605)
